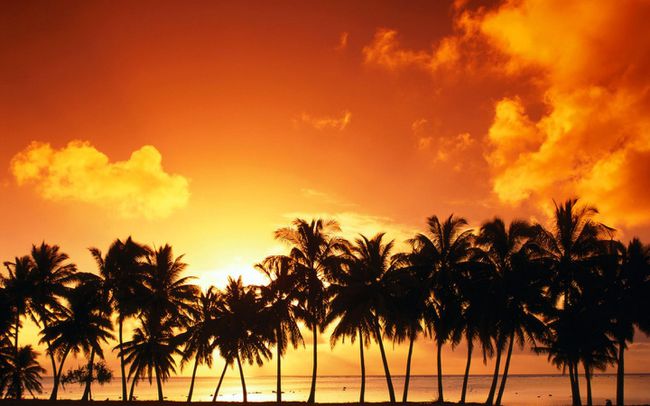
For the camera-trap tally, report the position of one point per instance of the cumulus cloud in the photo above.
(137, 187)
(324, 123)
(594, 138)
(588, 63)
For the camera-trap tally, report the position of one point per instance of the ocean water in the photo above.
(521, 389)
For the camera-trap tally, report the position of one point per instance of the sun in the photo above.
(218, 275)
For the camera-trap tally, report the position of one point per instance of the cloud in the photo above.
(343, 41)
(442, 147)
(324, 123)
(586, 64)
(385, 51)
(137, 187)
(594, 138)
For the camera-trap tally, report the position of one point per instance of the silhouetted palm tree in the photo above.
(406, 310)
(81, 326)
(373, 267)
(19, 285)
(168, 304)
(151, 352)
(22, 374)
(477, 293)
(627, 290)
(122, 270)
(314, 255)
(168, 293)
(439, 254)
(199, 334)
(281, 300)
(520, 286)
(570, 251)
(51, 275)
(246, 327)
(562, 345)
(6, 364)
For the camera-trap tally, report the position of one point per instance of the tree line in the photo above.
(571, 291)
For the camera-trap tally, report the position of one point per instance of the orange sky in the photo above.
(210, 124)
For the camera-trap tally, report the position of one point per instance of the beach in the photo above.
(522, 389)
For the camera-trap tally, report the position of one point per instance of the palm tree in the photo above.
(439, 255)
(151, 352)
(280, 298)
(168, 304)
(627, 287)
(19, 284)
(121, 269)
(570, 251)
(6, 363)
(199, 334)
(562, 346)
(6, 348)
(407, 308)
(22, 374)
(476, 293)
(519, 283)
(315, 256)
(169, 294)
(246, 327)
(81, 326)
(51, 275)
(354, 292)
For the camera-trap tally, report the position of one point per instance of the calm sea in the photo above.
(521, 390)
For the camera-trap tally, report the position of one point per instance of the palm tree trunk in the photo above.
(389, 381)
(135, 379)
(216, 391)
(502, 387)
(363, 369)
(441, 398)
(470, 347)
(495, 376)
(243, 382)
(407, 377)
(120, 323)
(49, 346)
(620, 374)
(89, 378)
(278, 389)
(575, 382)
(312, 391)
(16, 327)
(588, 378)
(196, 365)
(57, 377)
(159, 385)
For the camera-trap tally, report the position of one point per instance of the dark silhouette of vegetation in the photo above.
(315, 256)
(86, 375)
(281, 299)
(121, 269)
(569, 291)
(21, 373)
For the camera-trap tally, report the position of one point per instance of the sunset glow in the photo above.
(208, 125)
